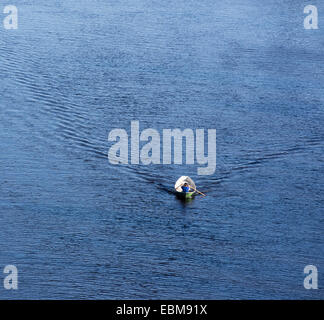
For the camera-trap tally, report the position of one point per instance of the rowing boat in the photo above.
(180, 182)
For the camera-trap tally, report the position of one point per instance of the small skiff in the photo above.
(180, 182)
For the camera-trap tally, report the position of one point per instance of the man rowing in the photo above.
(185, 187)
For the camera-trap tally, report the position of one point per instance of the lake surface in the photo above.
(78, 227)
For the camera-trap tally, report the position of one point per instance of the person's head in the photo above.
(186, 184)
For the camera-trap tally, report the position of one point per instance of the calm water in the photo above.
(78, 227)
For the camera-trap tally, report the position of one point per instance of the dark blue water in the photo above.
(78, 227)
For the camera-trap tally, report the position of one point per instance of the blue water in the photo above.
(78, 227)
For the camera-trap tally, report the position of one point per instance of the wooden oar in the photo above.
(195, 190)
(199, 192)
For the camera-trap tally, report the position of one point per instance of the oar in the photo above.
(195, 190)
(199, 192)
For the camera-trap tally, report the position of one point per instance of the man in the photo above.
(185, 187)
